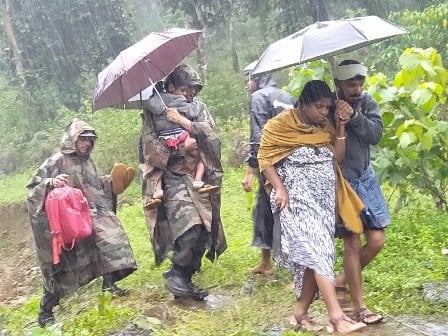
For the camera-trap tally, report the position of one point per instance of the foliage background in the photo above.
(64, 44)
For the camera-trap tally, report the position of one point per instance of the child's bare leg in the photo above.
(200, 169)
(154, 190)
(198, 184)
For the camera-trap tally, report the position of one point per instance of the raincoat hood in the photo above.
(265, 80)
(71, 135)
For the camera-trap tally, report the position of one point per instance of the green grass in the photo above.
(253, 304)
(13, 188)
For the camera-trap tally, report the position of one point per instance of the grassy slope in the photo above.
(411, 257)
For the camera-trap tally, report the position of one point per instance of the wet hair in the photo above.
(181, 76)
(349, 61)
(312, 92)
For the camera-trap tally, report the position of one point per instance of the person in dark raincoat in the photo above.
(107, 252)
(266, 101)
(186, 222)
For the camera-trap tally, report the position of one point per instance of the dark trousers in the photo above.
(189, 249)
(262, 217)
(48, 301)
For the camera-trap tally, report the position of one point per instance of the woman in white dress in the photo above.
(298, 154)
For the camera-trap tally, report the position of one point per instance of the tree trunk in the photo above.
(320, 12)
(235, 62)
(200, 53)
(11, 38)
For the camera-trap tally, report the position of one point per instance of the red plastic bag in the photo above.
(69, 217)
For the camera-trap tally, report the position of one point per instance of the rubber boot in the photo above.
(47, 303)
(200, 293)
(110, 286)
(178, 282)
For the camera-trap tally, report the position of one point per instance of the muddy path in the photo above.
(20, 274)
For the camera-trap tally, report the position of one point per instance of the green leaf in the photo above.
(389, 94)
(388, 118)
(428, 68)
(426, 141)
(406, 139)
(429, 105)
(421, 96)
(409, 60)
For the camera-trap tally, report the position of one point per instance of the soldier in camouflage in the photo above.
(187, 223)
(107, 252)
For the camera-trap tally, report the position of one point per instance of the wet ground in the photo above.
(394, 326)
(21, 279)
(20, 272)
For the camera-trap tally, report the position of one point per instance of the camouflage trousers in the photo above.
(115, 251)
(184, 206)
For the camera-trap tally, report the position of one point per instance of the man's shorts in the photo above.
(376, 215)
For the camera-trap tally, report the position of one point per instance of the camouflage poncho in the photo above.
(107, 251)
(182, 207)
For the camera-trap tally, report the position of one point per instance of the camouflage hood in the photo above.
(71, 135)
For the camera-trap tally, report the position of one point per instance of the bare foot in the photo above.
(261, 269)
(344, 325)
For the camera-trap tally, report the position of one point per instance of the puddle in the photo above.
(133, 330)
(410, 326)
(211, 302)
(435, 292)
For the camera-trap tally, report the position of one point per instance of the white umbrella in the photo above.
(323, 40)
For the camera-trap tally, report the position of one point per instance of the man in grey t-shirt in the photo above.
(362, 131)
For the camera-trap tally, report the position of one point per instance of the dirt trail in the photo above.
(20, 274)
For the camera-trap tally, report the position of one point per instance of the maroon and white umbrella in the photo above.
(141, 65)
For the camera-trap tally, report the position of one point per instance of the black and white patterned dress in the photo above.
(307, 226)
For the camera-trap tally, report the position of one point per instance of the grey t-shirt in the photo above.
(364, 129)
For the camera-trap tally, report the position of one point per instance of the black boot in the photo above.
(178, 282)
(47, 303)
(200, 293)
(110, 286)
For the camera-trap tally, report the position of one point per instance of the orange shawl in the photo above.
(283, 134)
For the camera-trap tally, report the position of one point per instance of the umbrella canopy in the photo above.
(325, 39)
(141, 65)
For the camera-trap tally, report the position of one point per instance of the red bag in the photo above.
(69, 217)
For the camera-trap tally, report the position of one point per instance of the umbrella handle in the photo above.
(157, 93)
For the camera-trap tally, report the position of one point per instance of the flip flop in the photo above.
(368, 317)
(208, 188)
(118, 175)
(129, 176)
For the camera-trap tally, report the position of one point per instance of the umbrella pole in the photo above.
(157, 93)
(332, 77)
